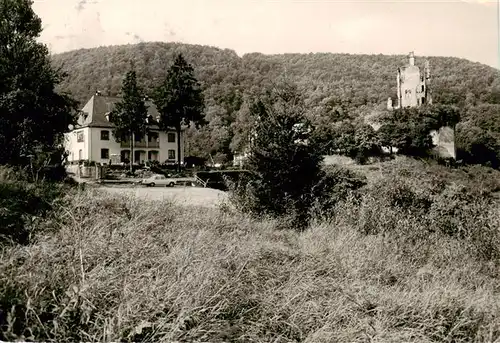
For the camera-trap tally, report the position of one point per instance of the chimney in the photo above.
(412, 58)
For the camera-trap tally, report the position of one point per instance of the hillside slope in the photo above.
(360, 83)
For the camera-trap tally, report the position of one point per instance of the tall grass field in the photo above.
(413, 256)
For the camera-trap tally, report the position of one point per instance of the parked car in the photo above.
(158, 180)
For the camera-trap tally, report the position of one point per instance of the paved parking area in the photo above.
(197, 196)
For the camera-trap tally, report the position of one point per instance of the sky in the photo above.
(466, 29)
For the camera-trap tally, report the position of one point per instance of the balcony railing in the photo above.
(146, 142)
(141, 144)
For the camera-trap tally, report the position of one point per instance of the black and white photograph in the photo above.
(276, 171)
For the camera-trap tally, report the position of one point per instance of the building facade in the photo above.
(92, 138)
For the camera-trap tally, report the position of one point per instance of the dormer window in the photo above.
(108, 115)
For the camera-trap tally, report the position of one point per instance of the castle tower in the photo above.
(411, 58)
(398, 78)
(427, 72)
(412, 85)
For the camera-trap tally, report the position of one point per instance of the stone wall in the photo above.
(444, 140)
(92, 172)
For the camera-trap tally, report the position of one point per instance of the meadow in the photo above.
(413, 256)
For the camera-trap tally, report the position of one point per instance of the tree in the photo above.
(409, 129)
(367, 143)
(343, 139)
(241, 128)
(284, 162)
(33, 116)
(130, 114)
(388, 135)
(179, 100)
(477, 146)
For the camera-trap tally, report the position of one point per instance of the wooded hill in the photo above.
(352, 85)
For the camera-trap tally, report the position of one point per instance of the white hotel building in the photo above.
(92, 138)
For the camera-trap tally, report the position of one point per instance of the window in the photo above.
(423, 101)
(171, 154)
(79, 136)
(422, 88)
(105, 153)
(153, 137)
(171, 137)
(80, 154)
(104, 135)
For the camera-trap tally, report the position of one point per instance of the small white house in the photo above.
(92, 138)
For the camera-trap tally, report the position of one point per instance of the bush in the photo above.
(285, 166)
(23, 203)
(337, 184)
(386, 207)
(411, 205)
(468, 214)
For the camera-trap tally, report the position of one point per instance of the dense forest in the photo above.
(334, 86)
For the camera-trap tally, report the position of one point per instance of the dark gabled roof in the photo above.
(94, 112)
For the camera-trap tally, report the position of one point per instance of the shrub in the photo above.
(390, 206)
(285, 165)
(335, 186)
(22, 203)
(470, 215)
(411, 203)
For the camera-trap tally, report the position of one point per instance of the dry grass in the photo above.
(119, 268)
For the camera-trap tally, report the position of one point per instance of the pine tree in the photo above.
(284, 161)
(130, 114)
(179, 100)
(33, 116)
